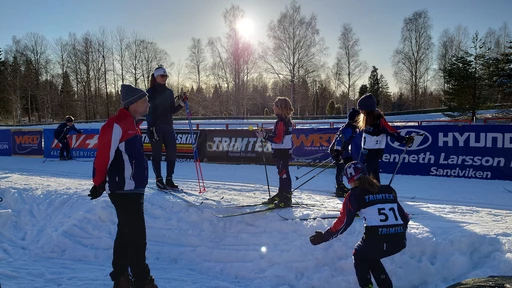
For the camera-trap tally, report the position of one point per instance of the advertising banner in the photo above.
(27, 142)
(467, 151)
(82, 145)
(5, 143)
(184, 140)
(242, 146)
(235, 146)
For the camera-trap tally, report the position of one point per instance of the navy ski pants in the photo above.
(367, 255)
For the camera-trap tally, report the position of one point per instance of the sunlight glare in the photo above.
(245, 27)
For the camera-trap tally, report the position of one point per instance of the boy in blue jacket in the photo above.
(345, 148)
(61, 135)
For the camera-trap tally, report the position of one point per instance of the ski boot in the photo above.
(285, 201)
(273, 199)
(170, 184)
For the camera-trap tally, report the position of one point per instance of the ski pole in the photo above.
(264, 162)
(313, 176)
(199, 171)
(401, 157)
(323, 162)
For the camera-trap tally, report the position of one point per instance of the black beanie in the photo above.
(131, 95)
(353, 114)
(367, 103)
(70, 119)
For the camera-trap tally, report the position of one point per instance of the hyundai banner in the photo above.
(467, 151)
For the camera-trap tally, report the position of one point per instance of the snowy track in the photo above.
(55, 236)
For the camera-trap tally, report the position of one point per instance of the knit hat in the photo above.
(367, 103)
(70, 119)
(160, 71)
(353, 114)
(131, 95)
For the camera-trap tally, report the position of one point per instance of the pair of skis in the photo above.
(199, 171)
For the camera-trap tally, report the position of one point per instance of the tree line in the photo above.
(43, 80)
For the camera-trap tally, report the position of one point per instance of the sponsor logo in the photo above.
(474, 139)
(27, 139)
(4, 145)
(80, 141)
(421, 139)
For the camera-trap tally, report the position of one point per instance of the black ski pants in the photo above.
(64, 148)
(285, 181)
(367, 255)
(371, 161)
(130, 243)
(166, 137)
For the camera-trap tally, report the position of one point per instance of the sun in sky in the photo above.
(245, 27)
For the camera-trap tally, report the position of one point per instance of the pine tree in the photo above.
(374, 85)
(467, 86)
(363, 90)
(331, 107)
(67, 97)
(4, 99)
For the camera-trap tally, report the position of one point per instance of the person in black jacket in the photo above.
(385, 225)
(159, 126)
(61, 135)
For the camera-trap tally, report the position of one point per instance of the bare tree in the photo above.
(134, 58)
(352, 67)
(412, 59)
(233, 60)
(450, 44)
(152, 56)
(197, 61)
(296, 48)
(103, 43)
(121, 42)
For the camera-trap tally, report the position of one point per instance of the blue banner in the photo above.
(82, 145)
(27, 142)
(5, 143)
(467, 151)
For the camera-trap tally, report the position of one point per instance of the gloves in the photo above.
(336, 155)
(97, 190)
(152, 134)
(182, 99)
(80, 131)
(318, 238)
(409, 140)
(260, 134)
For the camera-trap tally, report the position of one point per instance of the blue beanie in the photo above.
(353, 114)
(367, 103)
(131, 95)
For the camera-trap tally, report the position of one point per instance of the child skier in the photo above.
(281, 139)
(61, 135)
(376, 129)
(345, 147)
(385, 223)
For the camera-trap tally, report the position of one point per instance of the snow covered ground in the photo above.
(55, 236)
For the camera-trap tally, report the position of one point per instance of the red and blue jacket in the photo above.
(120, 157)
(382, 214)
(281, 138)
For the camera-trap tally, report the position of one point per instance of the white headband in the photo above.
(160, 71)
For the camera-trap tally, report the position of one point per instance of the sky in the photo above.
(52, 235)
(172, 24)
